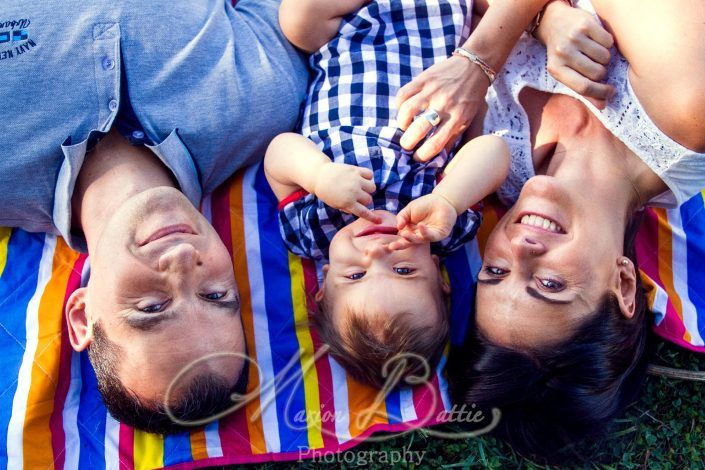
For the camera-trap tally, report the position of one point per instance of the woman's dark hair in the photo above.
(550, 397)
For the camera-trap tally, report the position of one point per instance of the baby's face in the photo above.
(364, 275)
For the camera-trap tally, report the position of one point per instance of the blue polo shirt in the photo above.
(203, 84)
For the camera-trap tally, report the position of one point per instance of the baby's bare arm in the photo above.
(478, 169)
(309, 24)
(292, 162)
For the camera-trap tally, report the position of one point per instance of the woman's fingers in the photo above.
(595, 50)
(409, 109)
(596, 92)
(587, 67)
(415, 133)
(435, 144)
(407, 91)
(600, 35)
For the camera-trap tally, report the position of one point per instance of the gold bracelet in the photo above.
(475, 59)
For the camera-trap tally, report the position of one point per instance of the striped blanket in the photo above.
(51, 414)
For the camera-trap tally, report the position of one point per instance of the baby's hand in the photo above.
(578, 50)
(347, 188)
(429, 218)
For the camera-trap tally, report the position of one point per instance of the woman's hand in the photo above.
(578, 50)
(427, 219)
(455, 88)
(347, 188)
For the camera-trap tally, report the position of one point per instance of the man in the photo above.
(198, 88)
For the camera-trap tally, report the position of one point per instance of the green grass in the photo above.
(664, 429)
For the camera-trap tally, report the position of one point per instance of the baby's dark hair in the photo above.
(550, 397)
(368, 346)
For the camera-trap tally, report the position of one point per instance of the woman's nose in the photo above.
(182, 257)
(527, 246)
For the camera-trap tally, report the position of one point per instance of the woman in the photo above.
(560, 315)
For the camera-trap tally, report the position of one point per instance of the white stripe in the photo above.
(213, 445)
(443, 384)
(69, 415)
(660, 303)
(15, 456)
(406, 404)
(259, 313)
(340, 401)
(112, 443)
(680, 276)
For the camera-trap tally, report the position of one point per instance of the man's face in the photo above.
(163, 289)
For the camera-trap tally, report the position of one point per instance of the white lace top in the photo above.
(681, 169)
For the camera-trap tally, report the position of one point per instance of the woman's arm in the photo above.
(309, 24)
(292, 162)
(456, 87)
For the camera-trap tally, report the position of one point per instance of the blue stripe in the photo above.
(462, 293)
(91, 420)
(290, 399)
(17, 285)
(693, 219)
(393, 402)
(177, 449)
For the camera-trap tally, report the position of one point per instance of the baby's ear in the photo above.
(445, 286)
(321, 290)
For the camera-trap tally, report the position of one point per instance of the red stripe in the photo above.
(56, 422)
(126, 448)
(325, 376)
(427, 400)
(295, 196)
(233, 431)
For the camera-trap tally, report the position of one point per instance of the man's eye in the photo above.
(404, 271)
(551, 285)
(355, 276)
(154, 308)
(495, 271)
(213, 295)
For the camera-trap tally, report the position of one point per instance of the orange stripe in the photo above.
(198, 445)
(237, 226)
(364, 408)
(490, 217)
(665, 264)
(36, 438)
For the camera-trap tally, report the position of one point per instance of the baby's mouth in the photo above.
(377, 230)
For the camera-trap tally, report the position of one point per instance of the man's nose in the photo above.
(524, 246)
(182, 257)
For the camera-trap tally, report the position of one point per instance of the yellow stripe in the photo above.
(148, 450)
(312, 399)
(4, 241)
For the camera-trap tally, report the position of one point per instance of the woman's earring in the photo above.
(625, 262)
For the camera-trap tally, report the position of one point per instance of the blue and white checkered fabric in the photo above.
(350, 114)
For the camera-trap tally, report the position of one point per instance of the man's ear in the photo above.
(445, 286)
(319, 294)
(626, 286)
(80, 329)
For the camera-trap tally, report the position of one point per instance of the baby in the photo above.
(382, 293)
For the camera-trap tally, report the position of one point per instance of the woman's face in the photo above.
(547, 264)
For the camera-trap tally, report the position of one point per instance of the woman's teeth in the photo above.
(541, 222)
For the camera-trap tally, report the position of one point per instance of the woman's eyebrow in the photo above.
(537, 295)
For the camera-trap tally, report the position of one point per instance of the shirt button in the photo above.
(108, 63)
(113, 105)
(137, 135)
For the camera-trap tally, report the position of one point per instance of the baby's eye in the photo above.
(355, 276)
(403, 271)
(154, 308)
(551, 285)
(495, 271)
(213, 295)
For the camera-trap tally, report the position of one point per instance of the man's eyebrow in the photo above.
(149, 321)
(535, 294)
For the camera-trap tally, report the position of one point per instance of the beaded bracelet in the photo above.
(475, 59)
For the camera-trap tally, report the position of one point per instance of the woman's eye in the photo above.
(355, 276)
(154, 308)
(495, 271)
(404, 271)
(551, 284)
(213, 295)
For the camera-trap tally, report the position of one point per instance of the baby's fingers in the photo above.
(364, 213)
(368, 186)
(400, 244)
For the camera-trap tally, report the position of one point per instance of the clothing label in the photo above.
(15, 34)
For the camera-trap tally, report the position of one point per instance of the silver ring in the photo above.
(432, 116)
